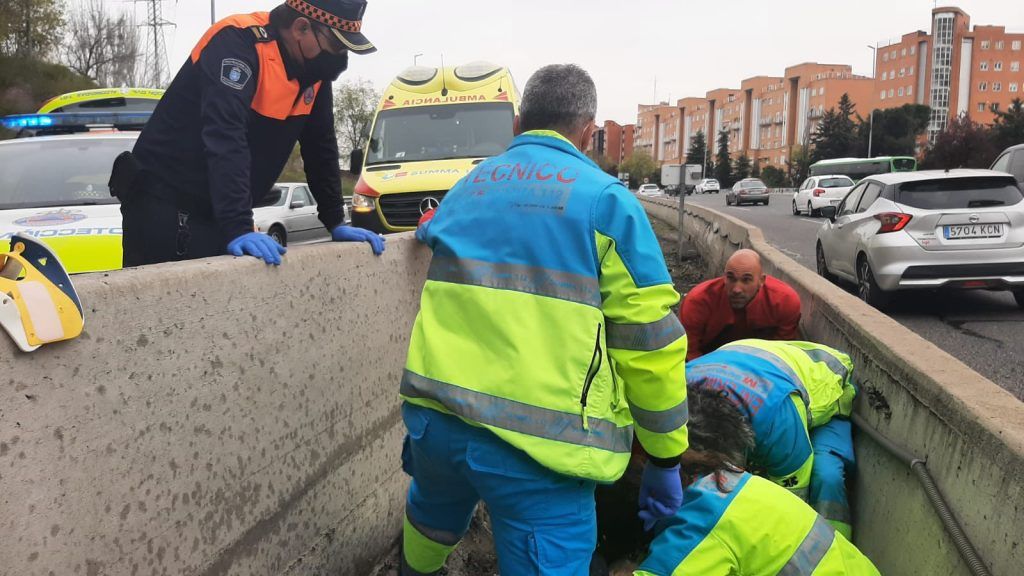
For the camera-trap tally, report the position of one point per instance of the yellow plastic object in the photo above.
(38, 302)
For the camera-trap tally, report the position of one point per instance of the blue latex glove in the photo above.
(259, 245)
(352, 234)
(661, 493)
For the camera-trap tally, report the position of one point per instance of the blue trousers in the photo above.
(833, 460)
(543, 522)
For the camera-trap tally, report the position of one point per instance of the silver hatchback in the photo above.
(289, 215)
(960, 229)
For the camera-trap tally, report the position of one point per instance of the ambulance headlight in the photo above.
(361, 203)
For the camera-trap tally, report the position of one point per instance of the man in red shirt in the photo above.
(744, 303)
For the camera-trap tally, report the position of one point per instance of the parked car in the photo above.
(1011, 161)
(649, 190)
(747, 191)
(819, 191)
(958, 229)
(707, 186)
(289, 215)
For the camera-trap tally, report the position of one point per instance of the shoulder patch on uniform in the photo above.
(260, 32)
(235, 73)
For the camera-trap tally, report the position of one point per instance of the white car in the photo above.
(819, 191)
(707, 186)
(649, 190)
(956, 229)
(289, 215)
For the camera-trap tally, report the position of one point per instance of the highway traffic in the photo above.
(983, 329)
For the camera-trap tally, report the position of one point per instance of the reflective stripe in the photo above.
(407, 570)
(801, 493)
(645, 337)
(442, 537)
(518, 416)
(811, 551)
(662, 421)
(833, 363)
(517, 277)
(778, 363)
(835, 511)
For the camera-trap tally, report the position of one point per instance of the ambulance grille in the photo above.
(405, 209)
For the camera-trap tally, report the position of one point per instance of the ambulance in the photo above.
(53, 176)
(432, 126)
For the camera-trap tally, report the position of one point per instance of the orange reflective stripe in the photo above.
(276, 96)
(236, 21)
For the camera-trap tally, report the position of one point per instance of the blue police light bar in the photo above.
(75, 120)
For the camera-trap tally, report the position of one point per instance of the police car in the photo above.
(53, 177)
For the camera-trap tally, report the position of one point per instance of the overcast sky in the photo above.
(690, 46)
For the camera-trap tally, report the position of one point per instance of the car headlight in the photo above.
(362, 203)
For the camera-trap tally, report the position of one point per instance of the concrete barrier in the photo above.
(970, 431)
(216, 417)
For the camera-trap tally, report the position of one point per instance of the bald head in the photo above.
(743, 277)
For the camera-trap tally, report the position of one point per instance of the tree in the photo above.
(835, 136)
(30, 28)
(102, 47)
(897, 131)
(773, 177)
(1008, 128)
(741, 168)
(963, 144)
(723, 163)
(640, 165)
(354, 104)
(698, 149)
(798, 166)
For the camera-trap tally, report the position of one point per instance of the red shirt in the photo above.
(773, 314)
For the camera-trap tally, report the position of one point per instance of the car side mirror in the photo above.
(355, 161)
(829, 212)
(297, 204)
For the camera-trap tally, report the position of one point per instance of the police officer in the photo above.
(253, 86)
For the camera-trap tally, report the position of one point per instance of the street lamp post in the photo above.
(213, 11)
(874, 76)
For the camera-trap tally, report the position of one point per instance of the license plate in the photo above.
(967, 231)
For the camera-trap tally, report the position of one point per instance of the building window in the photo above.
(981, 106)
(983, 65)
(999, 66)
(1014, 66)
(1015, 45)
(982, 86)
(891, 92)
(903, 52)
(910, 90)
(912, 50)
(1013, 87)
(911, 72)
(900, 91)
(885, 57)
(893, 56)
(985, 45)
(903, 72)
(881, 95)
(821, 91)
(997, 86)
(994, 107)
(999, 44)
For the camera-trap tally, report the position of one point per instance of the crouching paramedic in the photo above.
(798, 397)
(253, 86)
(545, 337)
(732, 522)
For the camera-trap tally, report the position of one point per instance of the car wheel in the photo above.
(822, 265)
(867, 288)
(796, 211)
(278, 234)
(728, 202)
(811, 211)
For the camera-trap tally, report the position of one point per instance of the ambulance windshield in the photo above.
(424, 133)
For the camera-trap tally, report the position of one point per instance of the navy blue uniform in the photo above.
(218, 141)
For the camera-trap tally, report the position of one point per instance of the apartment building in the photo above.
(612, 142)
(954, 69)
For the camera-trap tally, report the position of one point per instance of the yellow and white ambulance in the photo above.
(433, 125)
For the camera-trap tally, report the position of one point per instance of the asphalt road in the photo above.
(983, 329)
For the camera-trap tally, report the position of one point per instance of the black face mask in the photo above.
(326, 66)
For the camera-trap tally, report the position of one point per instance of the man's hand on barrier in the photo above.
(259, 245)
(352, 234)
(661, 493)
